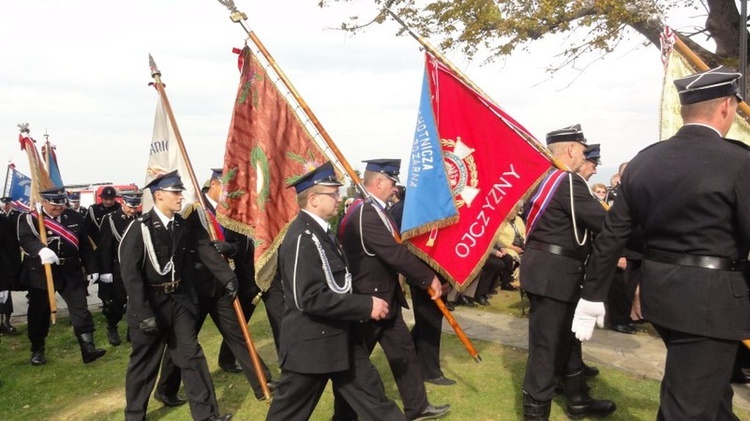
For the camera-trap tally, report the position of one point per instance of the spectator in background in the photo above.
(599, 190)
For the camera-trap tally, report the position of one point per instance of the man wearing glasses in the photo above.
(67, 250)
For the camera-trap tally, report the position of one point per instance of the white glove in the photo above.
(93, 277)
(587, 314)
(4, 296)
(105, 278)
(48, 256)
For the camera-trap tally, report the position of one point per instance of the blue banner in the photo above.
(429, 201)
(19, 188)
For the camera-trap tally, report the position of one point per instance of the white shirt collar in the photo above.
(380, 202)
(215, 205)
(322, 222)
(704, 125)
(163, 218)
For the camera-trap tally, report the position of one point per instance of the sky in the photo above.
(78, 71)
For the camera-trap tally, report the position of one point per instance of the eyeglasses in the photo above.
(334, 195)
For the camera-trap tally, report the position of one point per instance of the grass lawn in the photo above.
(65, 389)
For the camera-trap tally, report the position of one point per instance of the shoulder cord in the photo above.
(115, 234)
(202, 216)
(30, 221)
(362, 234)
(327, 270)
(93, 217)
(149, 246)
(573, 214)
(383, 218)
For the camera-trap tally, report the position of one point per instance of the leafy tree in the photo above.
(594, 26)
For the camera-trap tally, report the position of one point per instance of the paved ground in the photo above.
(641, 354)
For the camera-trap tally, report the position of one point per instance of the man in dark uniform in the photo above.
(74, 199)
(111, 289)
(213, 299)
(593, 154)
(10, 260)
(13, 262)
(376, 258)
(67, 250)
(161, 310)
(96, 212)
(690, 196)
(319, 339)
(561, 217)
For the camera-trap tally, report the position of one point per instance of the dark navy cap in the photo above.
(170, 181)
(108, 192)
(388, 167)
(593, 153)
(324, 175)
(567, 134)
(55, 195)
(74, 196)
(6, 199)
(711, 84)
(217, 172)
(132, 198)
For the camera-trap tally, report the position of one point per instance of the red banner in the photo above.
(490, 167)
(267, 148)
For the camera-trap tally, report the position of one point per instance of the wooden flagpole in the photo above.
(156, 74)
(240, 17)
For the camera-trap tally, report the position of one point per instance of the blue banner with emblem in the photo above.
(18, 188)
(429, 200)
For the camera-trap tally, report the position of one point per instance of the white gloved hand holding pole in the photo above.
(4, 296)
(105, 278)
(587, 314)
(93, 277)
(48, 256)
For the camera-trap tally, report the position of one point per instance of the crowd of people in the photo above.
(666, 242)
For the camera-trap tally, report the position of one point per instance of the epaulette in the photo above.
(144, 217)
(190, 209)
(739, 143)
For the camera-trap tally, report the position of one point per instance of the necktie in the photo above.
(332, 237)
(169, 227)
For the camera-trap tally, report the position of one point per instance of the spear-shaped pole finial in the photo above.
(236, 15)
(152, 65)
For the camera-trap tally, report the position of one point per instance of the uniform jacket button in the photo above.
(323, 332)
(376, 290)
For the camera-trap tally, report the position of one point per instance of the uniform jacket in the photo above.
(10, 257)
(317, 322)
(689, 195)
(33, 274)
(137, 270)
(94, 218)
(376, 259)
(203, 280)
(108, 243)
(552, 275)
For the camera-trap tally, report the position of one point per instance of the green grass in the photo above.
(65, 389)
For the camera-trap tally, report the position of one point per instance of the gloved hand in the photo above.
(148, 326)
(105, 278)
(586, 315)
(92, 277)
(4, 296)
(231, 288)
(48, 256)
(226, 249)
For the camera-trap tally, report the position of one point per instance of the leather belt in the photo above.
(705, 262)
(560, 251)
(68, 260)
(166, 287)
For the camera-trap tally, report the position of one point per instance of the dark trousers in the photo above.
(696, 377)
(398, 347)
(181, 340)
(74, 294)
(622, 291)
(224, 317)
(226, 356)
(428, 327)
(273, 298)
(114, 298)
(553, 348)
(360, 386)
(7, 306)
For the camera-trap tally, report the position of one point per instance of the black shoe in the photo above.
(465, 301)
(225, 417)
(482, 300)
(508, 287)
(740, 378)
(5, 326)
(89, 351)
(441, 381)
(590, 408)
(113, 336)
(231, 368)
(432, 412)
(624, 329)
(38, 358)
(589, 371)
(171, 401)
(450, 305)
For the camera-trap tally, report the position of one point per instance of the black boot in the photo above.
(37, 356)
(89, 352)
(534, 410)
(113, 336)
(580, 403)
(5, 326)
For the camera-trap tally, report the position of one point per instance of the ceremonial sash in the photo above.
(345, 220)
(541, 199)
(57, 228)
(387, 221)
(218, 229)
